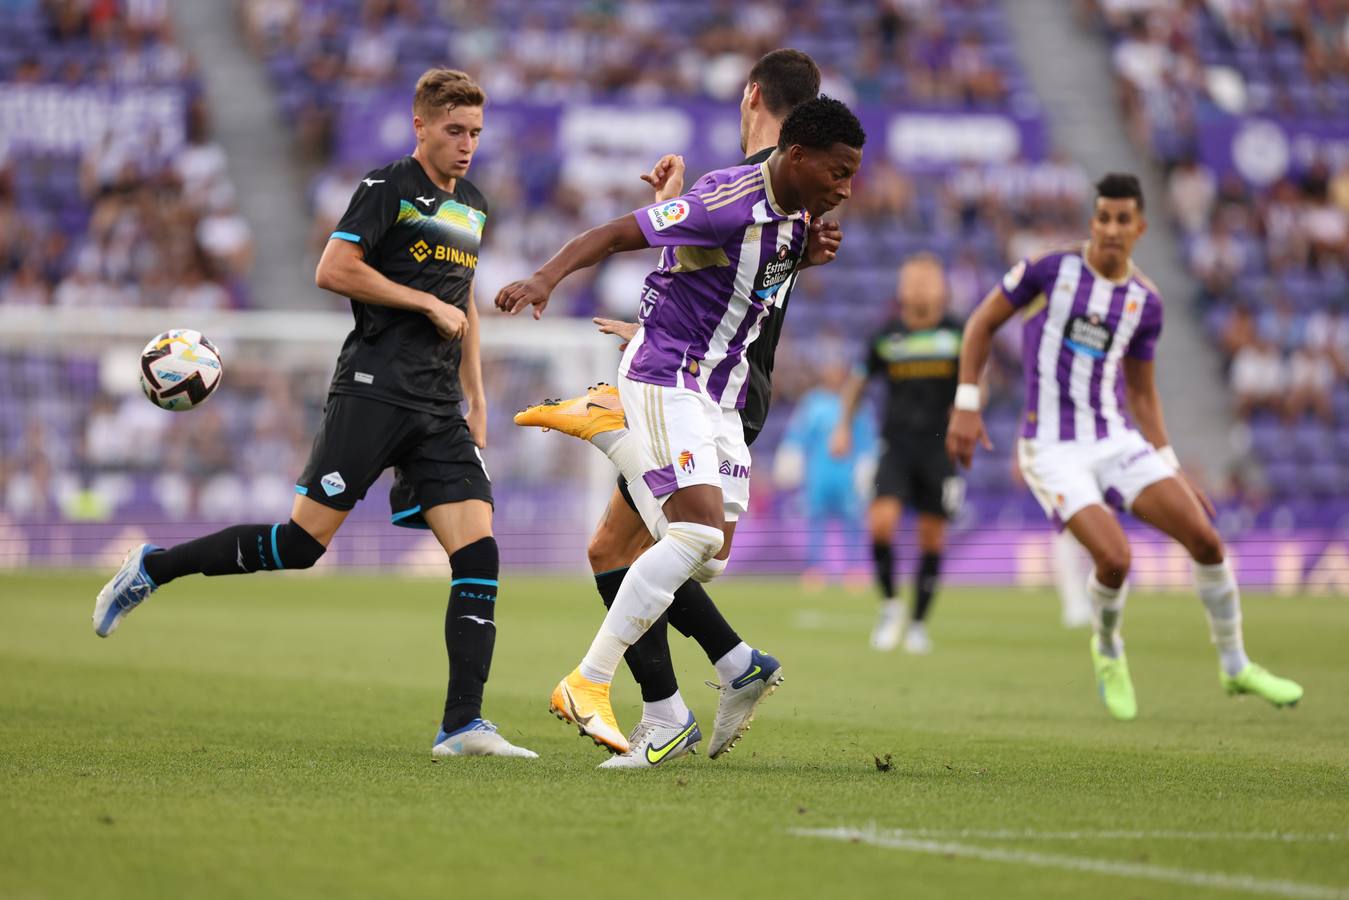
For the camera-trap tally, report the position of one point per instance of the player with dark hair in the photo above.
(405, 253)
(729, 246)
(916, 353)
(779, 82)
(1092, 321)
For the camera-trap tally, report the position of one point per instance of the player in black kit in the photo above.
(405, 253)
(917, 353)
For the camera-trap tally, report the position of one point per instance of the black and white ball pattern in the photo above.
(180, 369)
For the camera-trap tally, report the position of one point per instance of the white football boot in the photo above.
(652, 743)
(739, 699)
(478, 738)
(126, 591)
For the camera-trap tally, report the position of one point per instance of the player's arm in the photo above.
(343, 270)
(373, 210)
(470, 376)
(1145, 405)
(581, 252)
(967, 421)
(850, 398)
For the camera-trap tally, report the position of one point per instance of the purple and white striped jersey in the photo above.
(1079, 326)
(728, 249)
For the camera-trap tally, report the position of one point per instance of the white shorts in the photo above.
(684, 438)
(1066, 476)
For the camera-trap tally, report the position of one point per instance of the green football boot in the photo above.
(1260, 681)
(1114, 684)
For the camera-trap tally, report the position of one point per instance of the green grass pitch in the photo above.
(270, 737)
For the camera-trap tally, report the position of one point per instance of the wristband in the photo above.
(967, 398)
(1168, 455)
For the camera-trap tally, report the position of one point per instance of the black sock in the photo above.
(884, 555)
(236, 550)
(925, 585)
(470, 630)
(649, 658)
(693, 614)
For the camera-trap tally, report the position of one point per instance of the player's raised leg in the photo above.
(464, 529)
(882, 519)
(1097, 529)
(236, 550)
(1169, 507)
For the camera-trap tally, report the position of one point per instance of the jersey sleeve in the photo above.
(686, 221)
(373, 210)
(1143, 345)
(1027, 279)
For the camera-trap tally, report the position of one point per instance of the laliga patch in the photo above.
(668, 214)
(1012, 279)
(686, 462)
(333, 484)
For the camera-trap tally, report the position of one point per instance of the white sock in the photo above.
(621, 450)
(1218, 589)
(670, 711)
(1107, 614)
(647, 591)
(734, 663)
(1071, 567)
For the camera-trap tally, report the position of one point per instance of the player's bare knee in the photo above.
(604, 552)
(1112, 565)
(1205, 547)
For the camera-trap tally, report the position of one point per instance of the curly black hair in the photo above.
(1120, 186)
(819, 124)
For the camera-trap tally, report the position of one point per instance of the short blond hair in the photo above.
(440, 89)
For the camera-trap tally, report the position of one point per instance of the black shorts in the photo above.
(921, 475)
(434, 458)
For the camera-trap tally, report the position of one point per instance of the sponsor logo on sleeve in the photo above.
(735, 470)
(668, 214)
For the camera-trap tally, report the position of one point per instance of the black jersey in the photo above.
(760, 353)
(417, 235)
(921, 369)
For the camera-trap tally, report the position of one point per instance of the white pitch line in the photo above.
(1278, 837)
(1244, 883)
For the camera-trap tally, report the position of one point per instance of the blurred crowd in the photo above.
(1177, 60)
(949, 54)
(127, 221)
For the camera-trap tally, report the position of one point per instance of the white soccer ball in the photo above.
(180, 369)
